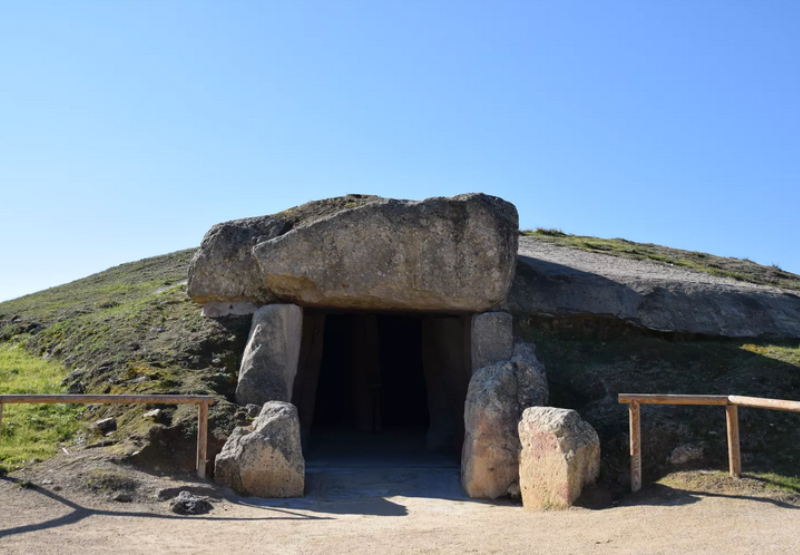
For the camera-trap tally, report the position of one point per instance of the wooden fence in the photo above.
(731, 404)
(202, 402)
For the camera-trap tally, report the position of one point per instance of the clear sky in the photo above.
(127, 129)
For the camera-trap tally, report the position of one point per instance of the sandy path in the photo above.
(42, 522)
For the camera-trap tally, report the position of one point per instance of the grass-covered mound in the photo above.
(130, 329)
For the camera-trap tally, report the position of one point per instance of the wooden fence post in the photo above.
(636, 446)
(734, 455)
(202, 438)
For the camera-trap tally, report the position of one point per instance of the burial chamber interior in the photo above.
(382, 389)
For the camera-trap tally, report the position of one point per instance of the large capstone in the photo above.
(265, 459)
(560, 456)
(440, 254)
(497, 396)
(223, 269)
(269, 364)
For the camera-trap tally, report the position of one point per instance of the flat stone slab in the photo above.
(454, 254)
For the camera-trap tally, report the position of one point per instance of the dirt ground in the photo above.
(52, 516)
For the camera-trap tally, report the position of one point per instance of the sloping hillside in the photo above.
(130, 329)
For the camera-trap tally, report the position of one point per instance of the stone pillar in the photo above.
(492, 339)
(304, 396)
(269, 364)
(446, 365)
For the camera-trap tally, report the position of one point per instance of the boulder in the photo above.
(265, 459)
(560, 455)
(492, 338)
(496, 398)
(224, 270)
(362, 252)
(269, 363)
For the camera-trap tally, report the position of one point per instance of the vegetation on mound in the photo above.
(32, 432)
(735, 268)
(130, 329)
(589, 365)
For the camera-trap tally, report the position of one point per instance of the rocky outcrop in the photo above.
(561, 282)
(496, 398)
(560, 456)
(440, 254)
(269, 364)
(265, 459)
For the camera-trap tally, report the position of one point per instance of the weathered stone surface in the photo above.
(223, 269)
(560, 455)
(562, 282)
(445, 254)
(492, 338)
(496, 398)
(265, 459)
(269, 364)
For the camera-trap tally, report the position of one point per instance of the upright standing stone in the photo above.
(270, 358)
(492, 339)
(560, 455)
(265, 459)
(496, 398)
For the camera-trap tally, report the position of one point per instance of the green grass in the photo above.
(741, 269)
(32, 431)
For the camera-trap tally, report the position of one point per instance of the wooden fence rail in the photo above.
(731, 404)
(202, 402)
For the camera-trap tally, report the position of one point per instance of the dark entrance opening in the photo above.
(382, 390)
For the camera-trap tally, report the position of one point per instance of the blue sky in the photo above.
(127, 129)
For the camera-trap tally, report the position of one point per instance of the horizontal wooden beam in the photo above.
(669, 399)
(116, 399)
(759, 403)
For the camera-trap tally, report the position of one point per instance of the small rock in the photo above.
(158, 329)
(685, 454)
(513, 490)
(106, 425)
(76, 388)
(155, 414)
(253, 410)
(216, 362)
(122, 497)
(187, 504)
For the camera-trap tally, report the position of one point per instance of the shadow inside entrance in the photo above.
(344, 463)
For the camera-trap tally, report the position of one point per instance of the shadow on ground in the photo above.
(79, 512)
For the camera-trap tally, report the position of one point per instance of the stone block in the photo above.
(265, 459)
(269, 364)
(492, 339)
(560, 456)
